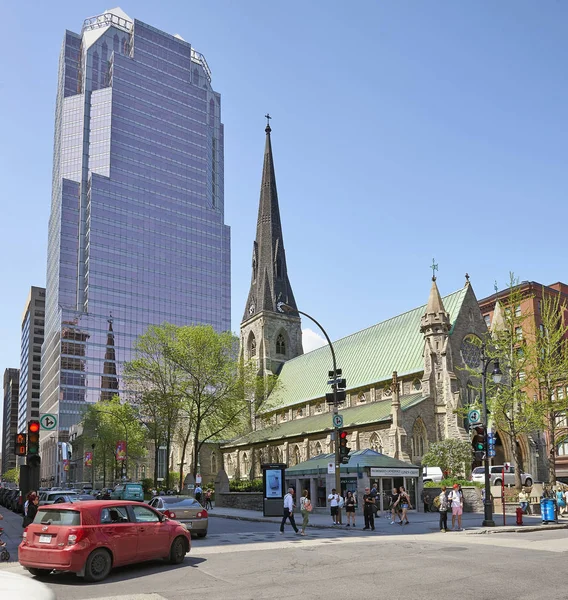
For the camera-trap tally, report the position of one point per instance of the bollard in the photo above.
(519, 515)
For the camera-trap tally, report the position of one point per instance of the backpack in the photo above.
(340, 502)
(442, 502)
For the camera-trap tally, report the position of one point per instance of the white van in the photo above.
(432, 474)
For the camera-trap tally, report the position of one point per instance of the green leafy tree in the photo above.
(156, 384)
(12, 476)
(214, 389)
(512, 410)
(550, 356)
(451, 455)
(105, 424)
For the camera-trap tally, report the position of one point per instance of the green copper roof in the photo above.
(366, 357)
(359, 459)
(373, 412)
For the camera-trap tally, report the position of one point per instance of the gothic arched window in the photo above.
(230, 466)
(213, 464)
(318, 449)
(419, 438)
(280, 344)
(279, 268)
(252, 345)
(375, 443)
(295, 458)
(246, 465)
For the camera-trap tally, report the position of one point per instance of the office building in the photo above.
(136, 232)
(10, 418)
(33, 322)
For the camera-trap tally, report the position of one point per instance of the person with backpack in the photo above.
(442, 502)
(305, 509)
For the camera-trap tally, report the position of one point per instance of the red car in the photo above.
(89, 538)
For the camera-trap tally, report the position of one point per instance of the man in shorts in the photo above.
(334, 506)
(456, 499)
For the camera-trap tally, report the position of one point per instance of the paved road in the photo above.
(244, 561)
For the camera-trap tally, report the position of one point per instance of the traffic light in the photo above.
(33, 444)
(343, 448)
(20, 445)
(478, 442)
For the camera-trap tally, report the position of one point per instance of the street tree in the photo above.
(155, 382)
(104, 425)
(550, 358)
(12, 475)
(513, 411)
(451, 455)
(214, 399)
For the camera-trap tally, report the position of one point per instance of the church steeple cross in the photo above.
(268, 117)
(434, 267)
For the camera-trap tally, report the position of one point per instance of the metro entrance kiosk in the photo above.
(273, 489)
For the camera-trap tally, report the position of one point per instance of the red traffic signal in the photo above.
(33, 427)
(33, 438)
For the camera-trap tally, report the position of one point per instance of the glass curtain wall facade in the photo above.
(10, 418)
(136, 232)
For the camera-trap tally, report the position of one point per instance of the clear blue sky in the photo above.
(402, 131)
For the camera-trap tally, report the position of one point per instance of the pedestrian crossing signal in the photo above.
(20, 444)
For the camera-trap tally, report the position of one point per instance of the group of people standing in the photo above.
(453, 501)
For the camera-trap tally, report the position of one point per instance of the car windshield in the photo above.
(478, 470)
(181, 502)
(58, 517)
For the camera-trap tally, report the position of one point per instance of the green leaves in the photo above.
(451, 455)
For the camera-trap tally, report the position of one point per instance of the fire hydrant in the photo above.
(519, 515)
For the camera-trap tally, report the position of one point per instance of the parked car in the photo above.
(128, 491)
(89, 538)
(184, 509)
(55, 496)
(432, 474)
(496, 476)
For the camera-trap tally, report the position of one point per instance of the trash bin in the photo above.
(547, 510)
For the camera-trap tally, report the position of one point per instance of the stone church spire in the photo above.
(435, 319)
(268, 335)
(269, 280)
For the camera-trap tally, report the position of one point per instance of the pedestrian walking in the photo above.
(368, 509)
(404, 500)
(442, 503)
(456, 499)
(334, 506)
(289, 511)
(199, 493)
(350, 509)
(208, 503)
(305, 509)
(33, 504)
(395, 506)
(560, 501)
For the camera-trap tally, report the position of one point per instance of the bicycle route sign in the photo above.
(474, 417)
(338, 421)
(48, 422)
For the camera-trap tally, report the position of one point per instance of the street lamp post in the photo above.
(285, 308)
(125, 438)
(496, 376)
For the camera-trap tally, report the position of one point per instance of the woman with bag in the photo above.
(305, 509)
(404, 500)
(441, 502)
(350, 509)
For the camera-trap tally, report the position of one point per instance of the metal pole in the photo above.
(335, 404)
(488, 508)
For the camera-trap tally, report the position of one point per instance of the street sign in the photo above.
(330, 468)
(491, 453)
(48, 422)
(337, 421)
(474, 417)
(507, 466)
(198, 478)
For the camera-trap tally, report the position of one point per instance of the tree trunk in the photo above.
(156, 454)
(516, 462)
(182, 463)
(196, 447)
(168, 447)
(552, 454)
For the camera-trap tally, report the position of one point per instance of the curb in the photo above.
(265, 520)
(520, 529)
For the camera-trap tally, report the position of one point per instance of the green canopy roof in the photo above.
(366, 357)
(373, 412)
(358, 459)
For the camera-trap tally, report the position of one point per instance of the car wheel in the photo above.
(98, 565)
(201, 535)
(528, 481)
(39, 572)
(177, 551)
(497, 482)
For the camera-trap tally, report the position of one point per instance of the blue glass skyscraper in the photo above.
(136, 232)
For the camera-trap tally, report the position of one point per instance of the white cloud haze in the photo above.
(312, 340)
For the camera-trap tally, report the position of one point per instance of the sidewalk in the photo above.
(12, 524)
(420, 523)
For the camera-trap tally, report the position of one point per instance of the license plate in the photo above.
(45, 539)
(188, 525)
